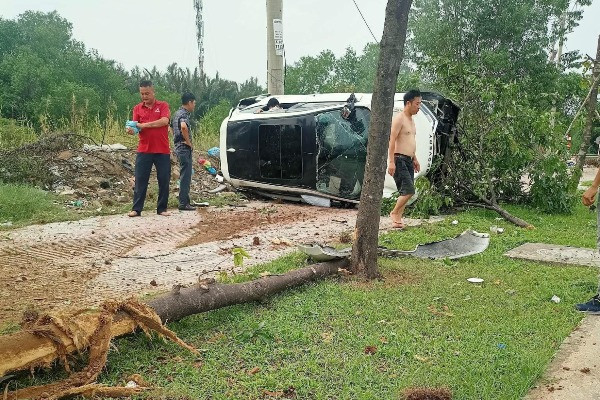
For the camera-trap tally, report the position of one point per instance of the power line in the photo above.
(365, 21)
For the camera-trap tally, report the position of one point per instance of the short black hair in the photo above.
(187, 97)
(411, 94)
(273, 102)
(146, 83)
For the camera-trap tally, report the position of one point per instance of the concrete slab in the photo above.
(574, 374)
(556, 254)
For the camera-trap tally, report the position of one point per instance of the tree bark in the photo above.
(591, 114)
(364, 249)
(23, 350)
(492, 205)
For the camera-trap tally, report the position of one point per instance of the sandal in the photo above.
(134, 213)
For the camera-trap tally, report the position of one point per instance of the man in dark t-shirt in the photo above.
(182, 136)
(152, 117)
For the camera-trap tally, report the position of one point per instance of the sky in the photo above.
(151, 33)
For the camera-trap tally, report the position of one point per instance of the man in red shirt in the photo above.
(152, 117)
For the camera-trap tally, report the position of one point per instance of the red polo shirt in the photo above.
(153, 140)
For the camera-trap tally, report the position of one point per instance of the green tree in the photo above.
(43, 68)
(311, 74)
(492, 57)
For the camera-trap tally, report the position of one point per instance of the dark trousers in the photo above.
(184, 154)
(143, 167)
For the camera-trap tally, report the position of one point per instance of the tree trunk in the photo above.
(492, 205)
(24, 350)
(591, 114)
(364, 250)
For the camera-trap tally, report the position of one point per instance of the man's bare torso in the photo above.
(406, 142)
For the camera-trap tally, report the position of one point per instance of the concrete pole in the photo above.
(275, 47)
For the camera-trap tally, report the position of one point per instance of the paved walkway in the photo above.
(574, 374)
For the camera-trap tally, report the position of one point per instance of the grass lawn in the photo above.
(426, 325)
(22, 205)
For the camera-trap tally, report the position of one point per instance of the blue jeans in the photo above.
(184, 154)
(143, 167)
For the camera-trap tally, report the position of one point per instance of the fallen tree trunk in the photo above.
(505, 214)
(26, 350)
(493, 205)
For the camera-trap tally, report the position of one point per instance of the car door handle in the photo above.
(231, 150)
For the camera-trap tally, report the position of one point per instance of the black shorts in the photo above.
(404, 175)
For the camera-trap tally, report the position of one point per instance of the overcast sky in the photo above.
(159, 32)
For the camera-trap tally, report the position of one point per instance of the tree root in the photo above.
(45, 338)
(83, 382)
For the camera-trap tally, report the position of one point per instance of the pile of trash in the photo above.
(95, 176)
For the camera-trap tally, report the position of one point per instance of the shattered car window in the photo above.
(342, 152)
(294, 107)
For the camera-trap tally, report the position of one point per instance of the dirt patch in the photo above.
(400, 277)
(91, 177)
(427, 394)
(65, 266)
(216, 225)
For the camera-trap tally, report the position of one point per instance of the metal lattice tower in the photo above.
(200, 35)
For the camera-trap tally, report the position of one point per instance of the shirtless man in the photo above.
(401, 154)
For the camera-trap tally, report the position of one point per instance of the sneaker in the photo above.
(187, 207)
(591, 306)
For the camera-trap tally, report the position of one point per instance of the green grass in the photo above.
(430, 326)
(22, 205)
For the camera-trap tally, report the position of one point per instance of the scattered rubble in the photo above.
(88, 175)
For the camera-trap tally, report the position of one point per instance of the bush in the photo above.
(13, 134)
(208, 133)
(551, 189)
(429, 201)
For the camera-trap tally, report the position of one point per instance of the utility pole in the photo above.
(198, 6)
(275, 51)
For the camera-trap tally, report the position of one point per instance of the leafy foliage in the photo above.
(429, 201)
(210, 124)
(492, 57)
(351, 72)
(238, 256)
(51, 81)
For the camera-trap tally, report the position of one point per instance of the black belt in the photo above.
(399, 155)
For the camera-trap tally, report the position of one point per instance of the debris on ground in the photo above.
(467, 243)
(556, 254)
(495, 229)
(89, 175)
(475, 280)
